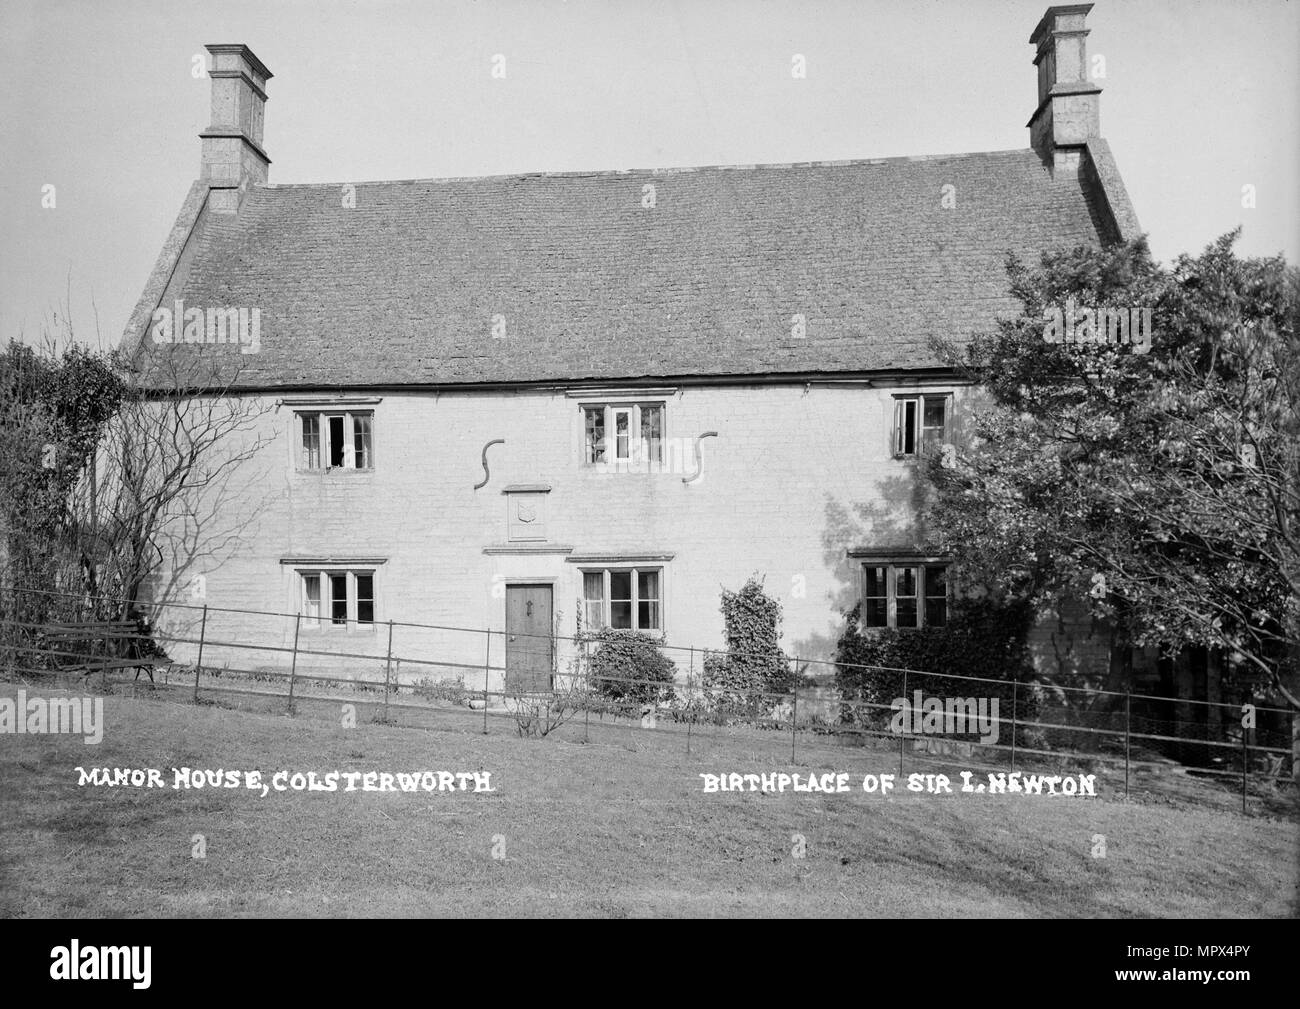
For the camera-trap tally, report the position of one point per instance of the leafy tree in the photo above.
(112, 488)
(54, 409)
(1163, 487)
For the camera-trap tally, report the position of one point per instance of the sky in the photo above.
(99, 100)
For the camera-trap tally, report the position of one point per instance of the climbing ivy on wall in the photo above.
(983, 638)
(753, 664)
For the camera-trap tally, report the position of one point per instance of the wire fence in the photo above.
(495, 675)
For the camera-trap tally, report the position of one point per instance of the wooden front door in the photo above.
(530, 655)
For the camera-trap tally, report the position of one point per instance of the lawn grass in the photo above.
(615, 827)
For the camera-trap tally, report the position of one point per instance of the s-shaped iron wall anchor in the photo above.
(699, 460)
(487, 473)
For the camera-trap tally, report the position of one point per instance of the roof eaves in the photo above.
(900, 376)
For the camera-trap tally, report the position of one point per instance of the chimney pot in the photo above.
(1068, 113)
(232, 158)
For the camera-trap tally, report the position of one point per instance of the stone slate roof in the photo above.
(404, 288)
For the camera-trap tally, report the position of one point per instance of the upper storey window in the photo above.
(921, 423)
(335, 440)
(623, 433)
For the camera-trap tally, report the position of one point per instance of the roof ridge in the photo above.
(678, 170)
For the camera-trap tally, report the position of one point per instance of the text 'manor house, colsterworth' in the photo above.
(677, 378)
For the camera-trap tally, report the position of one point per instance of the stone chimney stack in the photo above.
(1067, 115)
(232, 155)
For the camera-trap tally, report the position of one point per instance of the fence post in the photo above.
(794, 722)
(388, 665)
(487, 663)
(902, 736)
(1015, 697)
(585, 659)
(1245, 759)
(293, 666)
(690, 701)
(1128, 707)
(203, 630)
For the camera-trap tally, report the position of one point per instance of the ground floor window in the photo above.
(623, 598)
(904, 594)
(338, 598)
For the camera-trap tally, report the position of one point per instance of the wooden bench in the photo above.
(89, 646)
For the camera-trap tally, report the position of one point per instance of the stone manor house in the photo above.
(501, 403)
